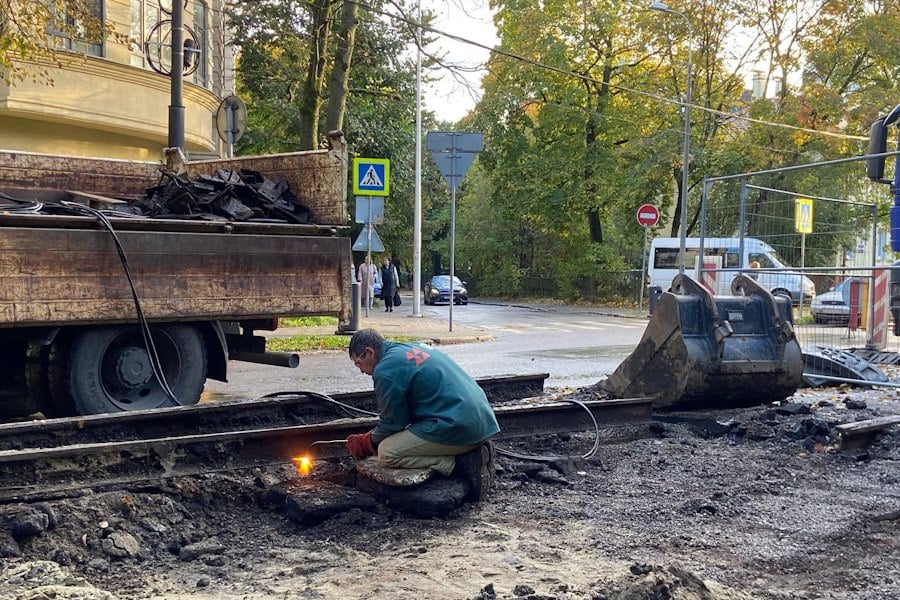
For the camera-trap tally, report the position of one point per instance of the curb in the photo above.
(470, 339)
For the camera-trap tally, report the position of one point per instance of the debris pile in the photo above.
(226, 195)
(243, 195)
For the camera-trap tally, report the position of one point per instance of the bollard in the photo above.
(655, 292)
(354, 311)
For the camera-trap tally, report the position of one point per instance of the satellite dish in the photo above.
(238, 111)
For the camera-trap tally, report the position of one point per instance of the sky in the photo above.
(449, 99)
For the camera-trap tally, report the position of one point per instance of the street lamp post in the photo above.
(682, 231)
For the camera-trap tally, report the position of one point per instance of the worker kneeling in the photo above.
(431, 413)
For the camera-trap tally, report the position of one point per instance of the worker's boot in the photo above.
(476, 467)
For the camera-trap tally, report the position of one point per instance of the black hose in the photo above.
(155, 363)
(534, 458)
(353, 411)
(350, 410)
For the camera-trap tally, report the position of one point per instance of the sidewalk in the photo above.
(430, 329)
(400, 322)
(437, 330)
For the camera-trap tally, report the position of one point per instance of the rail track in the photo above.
(55, 457)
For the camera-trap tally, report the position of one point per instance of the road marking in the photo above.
(568, 326)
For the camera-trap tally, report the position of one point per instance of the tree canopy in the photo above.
(582, 111)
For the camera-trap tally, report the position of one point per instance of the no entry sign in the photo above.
(647, 215)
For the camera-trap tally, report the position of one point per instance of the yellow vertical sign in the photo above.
(803, 215)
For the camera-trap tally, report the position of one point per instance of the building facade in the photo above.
(107, 99)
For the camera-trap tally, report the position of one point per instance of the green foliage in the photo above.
(578, 137)
(380, 109)
(303, 343)
(583, 123)
(307, 321)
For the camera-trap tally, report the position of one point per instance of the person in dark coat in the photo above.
(389, 282)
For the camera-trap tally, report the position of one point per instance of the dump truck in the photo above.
(101, 312)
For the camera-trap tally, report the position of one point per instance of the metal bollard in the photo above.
(354, 311)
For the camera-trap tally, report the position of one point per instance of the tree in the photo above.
(376, 112)
(567, 149)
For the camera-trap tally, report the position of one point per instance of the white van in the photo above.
(663, 265)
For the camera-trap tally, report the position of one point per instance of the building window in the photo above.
(202, 52)
(71, 29)
(144, 34)
(144, 16)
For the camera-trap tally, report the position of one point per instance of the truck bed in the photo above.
(60, 270)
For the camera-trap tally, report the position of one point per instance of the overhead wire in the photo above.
(589, 79)
(415, 24)
(569, 73)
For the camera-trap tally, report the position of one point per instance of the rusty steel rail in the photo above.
(285, 409)
(44, 472)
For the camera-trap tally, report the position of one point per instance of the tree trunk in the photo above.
(311, 95)
(340, 74)
(677, 174)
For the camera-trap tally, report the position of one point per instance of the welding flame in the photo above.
(304, 464)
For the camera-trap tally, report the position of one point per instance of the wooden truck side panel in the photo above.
(63, 276)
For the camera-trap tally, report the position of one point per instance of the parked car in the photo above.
(834, 305)
(438, 290)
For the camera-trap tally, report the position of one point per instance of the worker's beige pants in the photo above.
(404, 450)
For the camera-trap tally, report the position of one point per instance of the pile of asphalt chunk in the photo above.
(225, 195)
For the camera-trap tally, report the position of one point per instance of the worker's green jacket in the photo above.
(421, 388)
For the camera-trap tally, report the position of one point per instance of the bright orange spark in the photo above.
(304, 465)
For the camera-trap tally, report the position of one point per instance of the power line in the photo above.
(569, 73)
(589, 79)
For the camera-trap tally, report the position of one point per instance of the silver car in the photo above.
(834, 305)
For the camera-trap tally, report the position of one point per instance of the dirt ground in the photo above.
(751, 503)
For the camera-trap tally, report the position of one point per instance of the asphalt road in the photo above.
(576, 346)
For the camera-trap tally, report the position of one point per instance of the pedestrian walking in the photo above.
(389, 284)
(366, 276)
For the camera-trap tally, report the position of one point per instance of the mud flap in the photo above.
(701, 350)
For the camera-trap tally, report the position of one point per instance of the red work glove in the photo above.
(360, 445)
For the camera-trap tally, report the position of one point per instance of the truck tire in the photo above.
(111, 369)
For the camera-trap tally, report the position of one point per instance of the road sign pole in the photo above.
(369, 255)
(452, 228)
(453, 152)
(643, 271)
(229, 127)
(647, 217)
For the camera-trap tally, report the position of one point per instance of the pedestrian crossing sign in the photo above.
(371, 176)
(804, 215)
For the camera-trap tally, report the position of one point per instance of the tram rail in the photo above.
(58, 457)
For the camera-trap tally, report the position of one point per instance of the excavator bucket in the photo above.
(701, 350)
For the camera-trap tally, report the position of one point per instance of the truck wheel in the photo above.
(111, 369)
